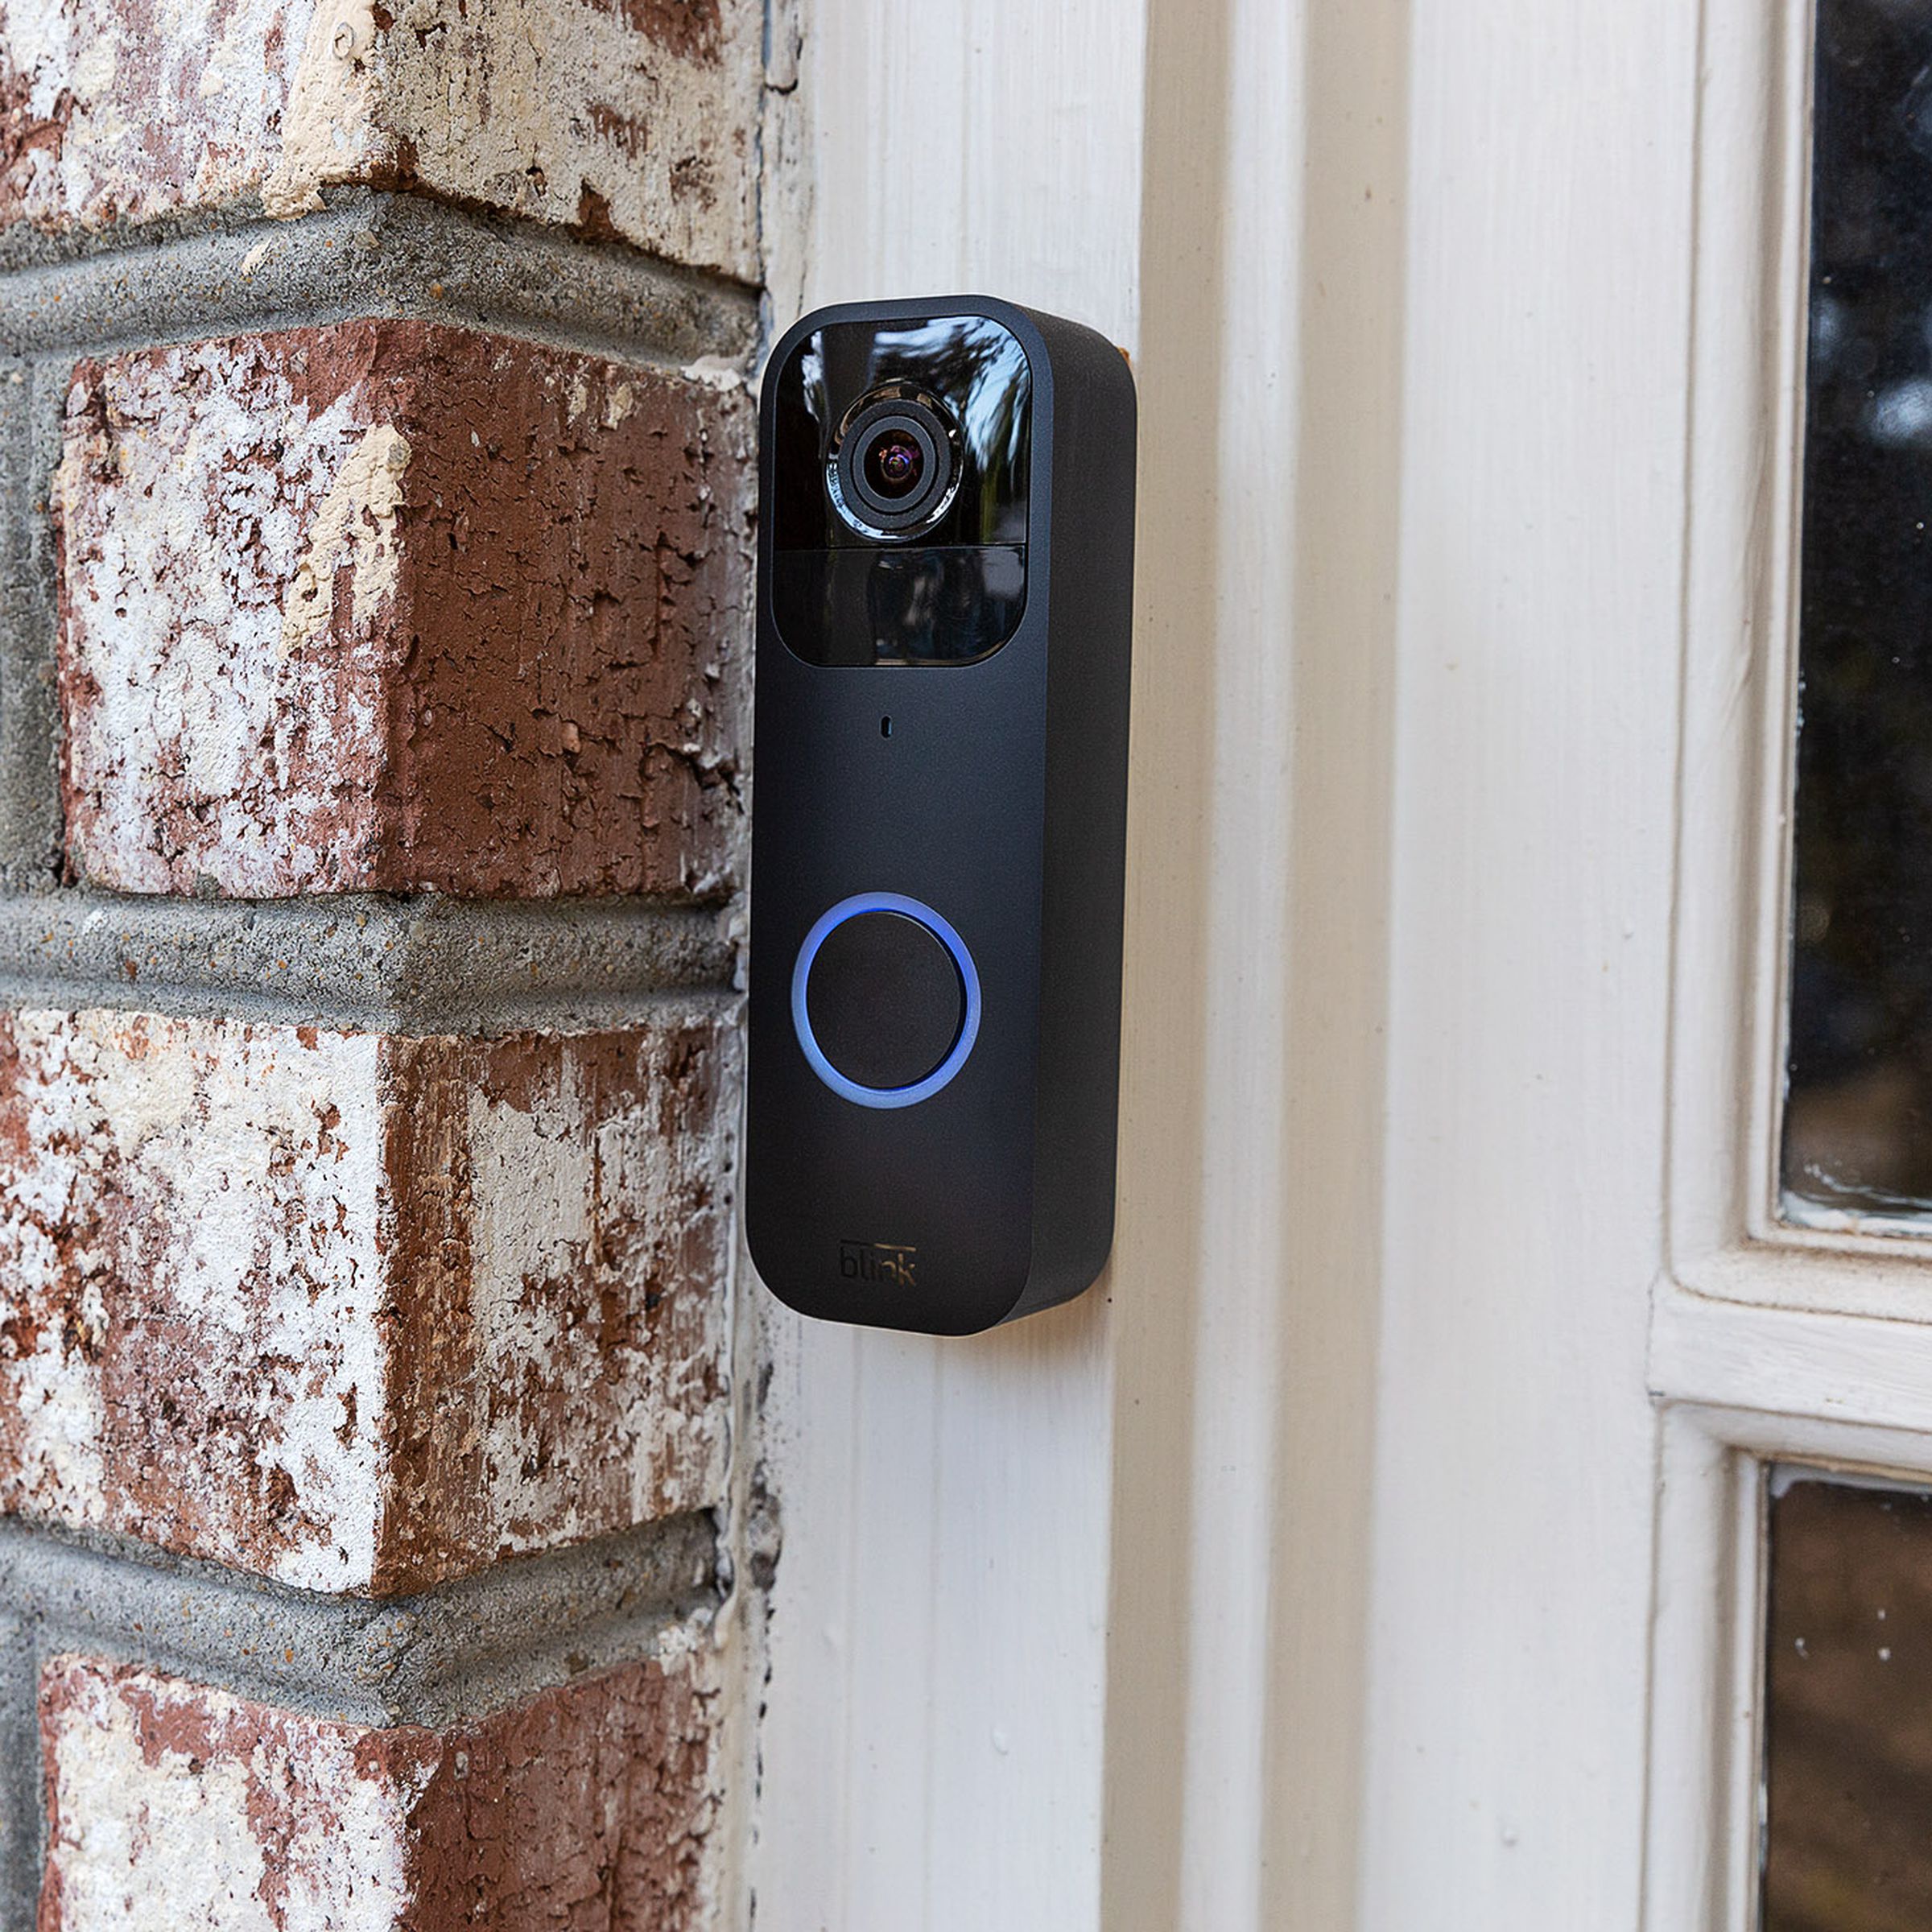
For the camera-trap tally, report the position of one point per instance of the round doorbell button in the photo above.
(885, 1000)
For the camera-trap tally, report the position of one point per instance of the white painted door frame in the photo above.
(1378, 1548)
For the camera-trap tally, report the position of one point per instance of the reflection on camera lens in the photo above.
(895, 463)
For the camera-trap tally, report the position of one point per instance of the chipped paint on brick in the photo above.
(171, 1803)
(356, 1312)
(626, 121)
(577, 1181)
(614, 1786)
(328, 126)
(396, 607)
(353, 529)
(636, 119)
(575, 1211)
(203, 742)
(113, 110)
(191, 1349)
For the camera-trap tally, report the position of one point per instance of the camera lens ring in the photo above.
(910, 416)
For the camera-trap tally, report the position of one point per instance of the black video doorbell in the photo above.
(945, 600)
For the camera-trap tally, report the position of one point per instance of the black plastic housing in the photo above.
(929, 727)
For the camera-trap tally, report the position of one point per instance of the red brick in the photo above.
(635, 118)
(356, 1311)
(588, 1809)
(393, 607)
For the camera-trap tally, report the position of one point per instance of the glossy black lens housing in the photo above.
(896, 468)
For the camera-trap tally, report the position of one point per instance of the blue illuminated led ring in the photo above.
(941, 930)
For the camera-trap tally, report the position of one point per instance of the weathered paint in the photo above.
(192, 1346)
(174, 1803)
(354, 1311)
(393, 606)
(632, 120)
(562, 1226)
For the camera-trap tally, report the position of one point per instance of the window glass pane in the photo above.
(1858, 1126)
(1848, 1711)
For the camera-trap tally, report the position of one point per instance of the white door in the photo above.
(1380, 1546)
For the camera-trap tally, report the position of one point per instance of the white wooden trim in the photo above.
(1303, 454)
(1737, 706)
(1798, 1364)
(1548, 306)
(933, 1744)
(1199, 1268)
(1768, 1342)
(1701, 1839)
(1381, 1547)
(1070, 1626)
(1717, 1467)
(1729, 1235)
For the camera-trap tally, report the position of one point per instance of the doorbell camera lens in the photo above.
(895, 463)
(896, 470)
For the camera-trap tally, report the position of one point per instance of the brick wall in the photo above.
(375, 513)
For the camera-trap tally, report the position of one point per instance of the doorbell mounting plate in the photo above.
(939, 836)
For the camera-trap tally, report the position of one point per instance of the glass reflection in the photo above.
(917, 606)
(955, 591)
(973, 363)
(1847, 1770)
(1858, 1122)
